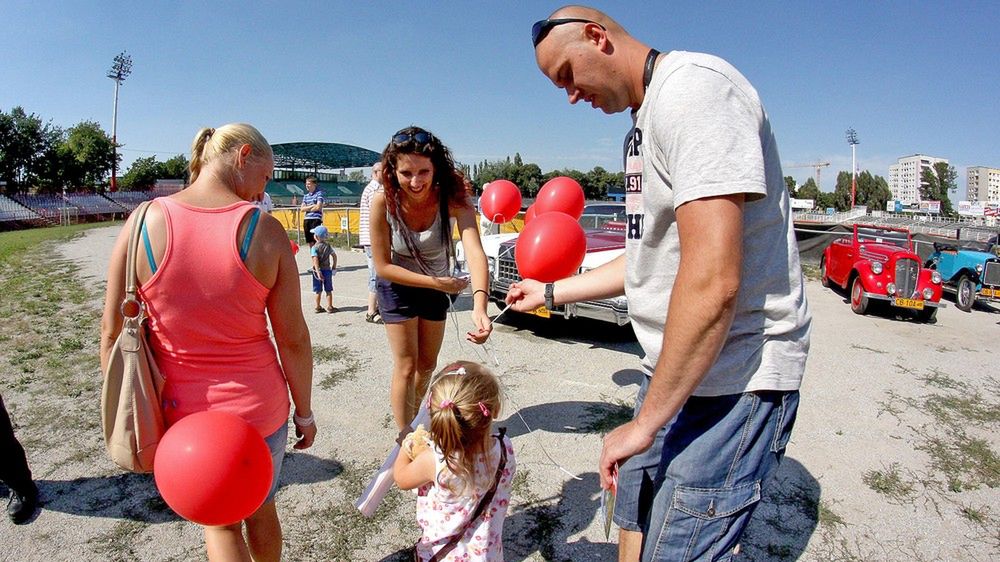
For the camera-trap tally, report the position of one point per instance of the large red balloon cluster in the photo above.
(552, 246)
(213, 468)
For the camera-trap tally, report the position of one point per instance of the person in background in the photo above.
(412, 247)
(324, 266)
(712, 274)
(209, 307)
(312, 206)
(264, 203)
(365, 205)
(14, 472)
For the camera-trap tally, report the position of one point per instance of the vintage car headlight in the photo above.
(890, 288)
(979, 268)
(928, 293)
(936, 277)
(876, 267)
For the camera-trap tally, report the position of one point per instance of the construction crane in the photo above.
(817, 165)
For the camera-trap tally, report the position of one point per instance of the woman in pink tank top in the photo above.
(212, 270)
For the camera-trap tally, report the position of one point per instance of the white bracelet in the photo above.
(304, 422)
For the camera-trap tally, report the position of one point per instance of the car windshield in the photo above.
(879, 236)
(597, 215)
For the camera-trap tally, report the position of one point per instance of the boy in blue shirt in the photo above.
(324, 262)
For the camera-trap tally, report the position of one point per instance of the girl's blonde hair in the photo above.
(464, 401)
(211, 143)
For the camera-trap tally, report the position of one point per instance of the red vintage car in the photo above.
(879, 263)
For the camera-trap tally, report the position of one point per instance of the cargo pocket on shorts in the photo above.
(706, 523)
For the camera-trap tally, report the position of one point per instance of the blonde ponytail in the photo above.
(210, 143)
(464, 401)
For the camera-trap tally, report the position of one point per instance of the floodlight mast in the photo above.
(852, 139)
(119, 72)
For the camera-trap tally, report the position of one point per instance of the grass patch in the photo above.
(865, 348)
(118, 544)
(890, 483)
(811, 271)
(606, 416)
(346, 361)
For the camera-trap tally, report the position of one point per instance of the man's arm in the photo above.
(603, 282)
(699, 315)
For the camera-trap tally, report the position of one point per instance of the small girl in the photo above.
(464, 474)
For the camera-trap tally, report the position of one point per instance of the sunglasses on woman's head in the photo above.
(421, 137)
(542, 27)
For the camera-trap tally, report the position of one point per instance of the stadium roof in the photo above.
(322, 155)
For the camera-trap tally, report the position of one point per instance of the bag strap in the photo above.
(131, 280)
(483, 504)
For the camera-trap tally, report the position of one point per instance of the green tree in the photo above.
(27, 146)
(825, 200)
(175, 168)
(936, 183)
(872, 191)
(809, 190)
(141, 175)
(790, 184)
(842, 193)
(86, 155)
(357, 176)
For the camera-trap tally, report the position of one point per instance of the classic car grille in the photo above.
(907, 271)
(991, 274)
(506, 268)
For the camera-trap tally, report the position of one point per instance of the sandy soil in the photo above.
(890, 409)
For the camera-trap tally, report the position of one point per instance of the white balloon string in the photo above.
(501, 375)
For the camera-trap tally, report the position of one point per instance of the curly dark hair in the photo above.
(450, 182)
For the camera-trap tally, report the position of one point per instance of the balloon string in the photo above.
(489, 348)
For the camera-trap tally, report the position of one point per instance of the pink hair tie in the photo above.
(446, 404)
(484, 410)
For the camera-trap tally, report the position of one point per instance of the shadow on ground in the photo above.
(599, 335)
(786, 517)
(135, 497)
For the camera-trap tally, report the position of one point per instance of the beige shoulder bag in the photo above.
(131, 415)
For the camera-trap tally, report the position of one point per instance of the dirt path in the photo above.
(893, 456)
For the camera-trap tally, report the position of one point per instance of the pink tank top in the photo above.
(207, 322)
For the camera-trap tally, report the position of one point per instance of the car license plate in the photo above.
(990, 292)
(541, 311)
(909, 303)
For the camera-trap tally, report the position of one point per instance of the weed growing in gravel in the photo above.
(890, 483)
(117, 544)
(346, 360)
(606, 416)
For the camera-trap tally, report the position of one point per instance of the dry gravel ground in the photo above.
(893, 457)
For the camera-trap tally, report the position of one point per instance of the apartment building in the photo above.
(983, 184)
(905, 174)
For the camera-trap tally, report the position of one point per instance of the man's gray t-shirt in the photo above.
(702, 132)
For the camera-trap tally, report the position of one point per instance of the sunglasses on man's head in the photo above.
(421, 137)
(542, 28)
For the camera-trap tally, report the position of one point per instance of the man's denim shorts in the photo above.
(371, 269)
(276, 443)
(692, 493)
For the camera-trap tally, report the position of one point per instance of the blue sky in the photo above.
(910, 77)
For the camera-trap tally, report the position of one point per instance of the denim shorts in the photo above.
(323, 284)
(399, 303)
(276, 443)
(692, 493)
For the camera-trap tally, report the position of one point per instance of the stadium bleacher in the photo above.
(89, 204)
(129, 200)
(11, 211)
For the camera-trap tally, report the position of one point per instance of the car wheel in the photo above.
(859, 301)
(928, 315)
(965, 295)
(822, 273)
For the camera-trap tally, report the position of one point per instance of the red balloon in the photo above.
(295, 247)
(530, 213)
(552, 247)
(501, 201)
(213, 468)
(561, 194)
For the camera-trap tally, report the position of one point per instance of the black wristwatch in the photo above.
(548, 295)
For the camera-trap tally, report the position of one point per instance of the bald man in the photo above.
(712, 276)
